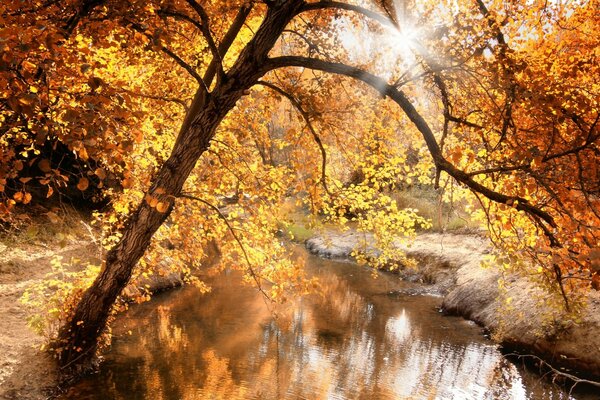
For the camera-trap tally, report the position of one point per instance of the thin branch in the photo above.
(571, 377)
(227, 41)
(180, 16)
(405, 104)
(499, 169)
(86, 7)
(309, 124)
(320, 5)
(492, 24)
(202, 93)
(33, 10)
(174, 56)
(184, 65)
(205, 29)
(237, 239)
(311, 46)
(155, 97)
(591, 139)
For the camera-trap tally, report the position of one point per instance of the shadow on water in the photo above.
(362, 339)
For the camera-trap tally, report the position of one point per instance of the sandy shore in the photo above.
(26, 373)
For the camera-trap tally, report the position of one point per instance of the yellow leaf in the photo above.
(138, 136)
(83, 154)
(151, 200)
(53, 217)
(29, 65)
(100, 173)
(27, 100)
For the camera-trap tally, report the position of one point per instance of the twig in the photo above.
(310, 126)
(237, 239)
(576, 380)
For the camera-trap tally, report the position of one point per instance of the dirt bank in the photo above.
(450, 265)
(573, 348)
(26, 372)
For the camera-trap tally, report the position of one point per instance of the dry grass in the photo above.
(444, 216)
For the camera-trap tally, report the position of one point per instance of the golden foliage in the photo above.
(504, 94)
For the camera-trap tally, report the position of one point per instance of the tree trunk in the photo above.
(78, 338)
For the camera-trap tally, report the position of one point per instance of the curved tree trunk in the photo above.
(78, 338)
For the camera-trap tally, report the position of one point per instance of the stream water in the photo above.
(364, 338)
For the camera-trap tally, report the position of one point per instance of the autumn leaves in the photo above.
(154, 200)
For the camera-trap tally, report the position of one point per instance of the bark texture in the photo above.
(79, 338)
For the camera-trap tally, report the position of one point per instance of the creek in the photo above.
(363, 338)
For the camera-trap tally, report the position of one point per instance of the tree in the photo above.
(504, 97)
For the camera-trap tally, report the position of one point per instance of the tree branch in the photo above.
(309, 124)
(320, 5)
(555, 371)
(311, 46)
(155, 97)
(499, 169)
(184, 65)
(179, 16)
(405, 104)
(227, 40)
(174, 56)
(201, 95)
(205, 29)
(254, 275)
(85, 9)
(486, 13)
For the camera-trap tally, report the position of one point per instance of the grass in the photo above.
(295, 222)
(295, 232)
(444, 216)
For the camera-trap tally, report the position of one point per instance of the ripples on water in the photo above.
(360, 340)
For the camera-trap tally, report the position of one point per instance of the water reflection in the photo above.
(355, 342)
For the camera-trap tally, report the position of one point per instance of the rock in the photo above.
(152, 284)
(438, 255)
(339, 247)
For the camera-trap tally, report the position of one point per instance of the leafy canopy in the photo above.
(499, 97)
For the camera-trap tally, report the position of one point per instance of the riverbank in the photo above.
(450, 265)
(27, 372)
